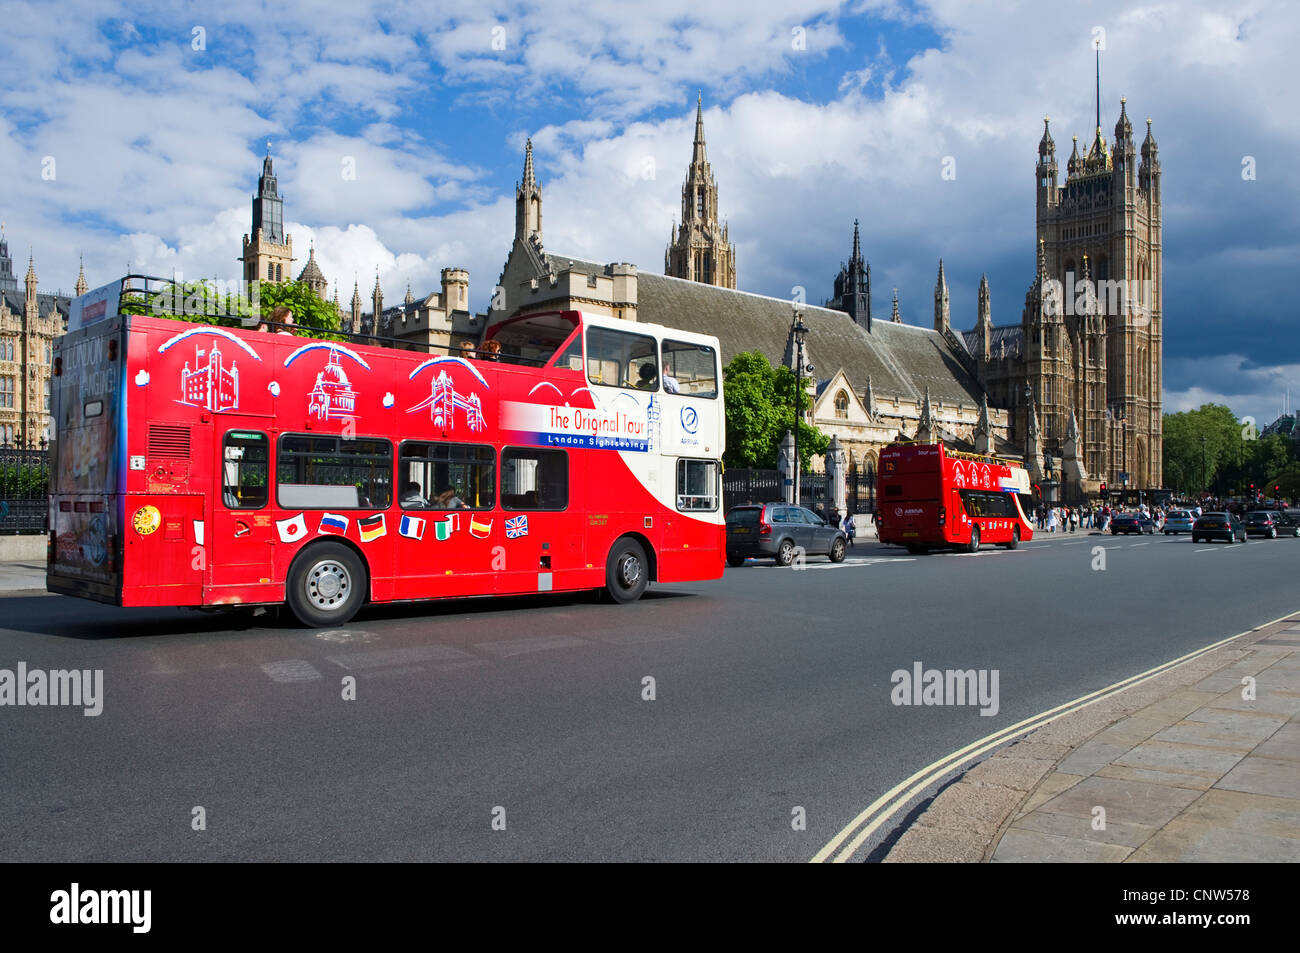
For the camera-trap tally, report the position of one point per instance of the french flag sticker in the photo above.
(292, 530)
(412, 527)
(333, 524)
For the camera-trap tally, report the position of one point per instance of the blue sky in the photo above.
(816, 113)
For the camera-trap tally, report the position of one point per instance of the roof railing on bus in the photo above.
(157, 288)
(977, 457)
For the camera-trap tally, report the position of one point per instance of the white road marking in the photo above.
(291, 670)
(898, 797)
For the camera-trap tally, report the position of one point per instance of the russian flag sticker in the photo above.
(333, 524)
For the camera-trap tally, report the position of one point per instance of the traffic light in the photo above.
(1105, 493)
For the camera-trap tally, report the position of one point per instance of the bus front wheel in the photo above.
(326, 585)
(627, 571)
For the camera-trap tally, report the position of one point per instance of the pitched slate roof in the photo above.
(1010, 334)
(901, 359)
(16, 301)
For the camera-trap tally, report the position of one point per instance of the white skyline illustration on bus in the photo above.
(444, 399)
(210, 385)
(332, 395)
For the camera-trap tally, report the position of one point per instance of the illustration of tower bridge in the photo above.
(443, 402)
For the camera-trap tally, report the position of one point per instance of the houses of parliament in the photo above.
(1073, 386)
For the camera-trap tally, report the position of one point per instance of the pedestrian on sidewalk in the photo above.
(850, 527)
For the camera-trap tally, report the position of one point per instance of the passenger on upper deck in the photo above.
(648, 379)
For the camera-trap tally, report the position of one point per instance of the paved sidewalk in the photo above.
(21, 576)
(1187, 767)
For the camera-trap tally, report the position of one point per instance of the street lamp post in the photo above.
(798, 329)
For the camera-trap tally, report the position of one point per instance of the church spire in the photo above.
(984, 323)
(896, 317)
(942, 312)
(530, 176)
(528, 201)
(82, 286)
(698, 154)
(701, 249)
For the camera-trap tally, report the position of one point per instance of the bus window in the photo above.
(570, 359)
(693, 366)
(318, 472)
(533, 340)
(427, 472)
(621, 359)
(534, 479)
(697, 485)
(245, 463)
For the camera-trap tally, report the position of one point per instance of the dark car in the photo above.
(1224, 526)
(777, 531)
(1288, 522)
(1266, 523)
(1127, 523)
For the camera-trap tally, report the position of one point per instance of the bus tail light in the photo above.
(943, 515)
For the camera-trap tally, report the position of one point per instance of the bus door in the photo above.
(542, 520)
(239, 548)
(447, 526)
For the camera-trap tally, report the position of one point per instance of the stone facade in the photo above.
(29, 323)
(268, 251)
(1089, 343)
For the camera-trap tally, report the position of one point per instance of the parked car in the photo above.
(777, 530)
(1179, 521)
(1270, 524)
(1225, 526)
(1127, 523)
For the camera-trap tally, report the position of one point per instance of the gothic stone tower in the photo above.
(1094, 316)
(853, 286)
(700, 251)
(268, 256)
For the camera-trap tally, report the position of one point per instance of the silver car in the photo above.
(1179, 521)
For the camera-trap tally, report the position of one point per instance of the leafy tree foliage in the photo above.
(203, 302)
(760, 401)
(1211, 449)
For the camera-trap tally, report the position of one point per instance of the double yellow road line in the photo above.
(898, 797)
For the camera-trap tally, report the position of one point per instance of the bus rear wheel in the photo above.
(326, 585)
(974, 545)
(627, 571)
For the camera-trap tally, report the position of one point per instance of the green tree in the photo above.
(203, 302)
(1200, 446)
(309, 309)
(760, 402)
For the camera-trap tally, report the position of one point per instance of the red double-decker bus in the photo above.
(198, 465)
(930, 496)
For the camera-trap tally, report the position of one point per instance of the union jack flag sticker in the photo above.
(516, 526)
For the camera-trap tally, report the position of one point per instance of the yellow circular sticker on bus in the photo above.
(147, 519)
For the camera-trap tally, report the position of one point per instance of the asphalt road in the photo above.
(771, 692)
